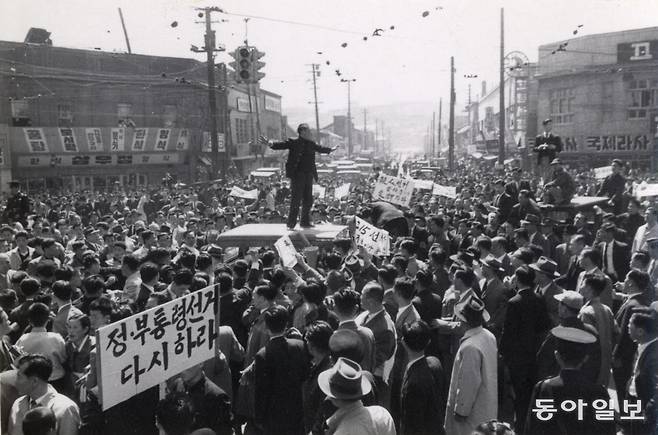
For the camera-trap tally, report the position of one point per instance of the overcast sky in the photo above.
(408, 63)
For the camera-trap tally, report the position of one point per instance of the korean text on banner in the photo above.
(423, 184)
(447, 191)
(376, 241)
(141, 351)
(246, 194)
(286, 251)
(342, 191)
(602, 172)
(319, 191)
(394, 190)
(645, 190)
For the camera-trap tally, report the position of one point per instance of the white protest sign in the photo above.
(286, 251)
(376, 241)
(423, 184)
(342, 191)
(394, 190)
(447, 191)
(601, 173)
(141, 351)
(319, 191)
(644, 190)
(241, 193)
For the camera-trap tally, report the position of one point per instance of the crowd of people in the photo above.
(490, 316)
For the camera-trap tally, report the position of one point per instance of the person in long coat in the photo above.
(473, 393)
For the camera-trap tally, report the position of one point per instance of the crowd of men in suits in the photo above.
(485, 311)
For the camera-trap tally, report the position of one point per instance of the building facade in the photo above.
(85, 119)
(601, 91)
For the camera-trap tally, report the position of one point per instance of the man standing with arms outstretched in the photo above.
(300, 168)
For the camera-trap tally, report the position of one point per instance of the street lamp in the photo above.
(349, 115)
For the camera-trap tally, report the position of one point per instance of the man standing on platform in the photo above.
(613, 187)
(547, 147)
(300, 168)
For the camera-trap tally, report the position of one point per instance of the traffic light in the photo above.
(246, 64)
(242, 64)
(256, 65)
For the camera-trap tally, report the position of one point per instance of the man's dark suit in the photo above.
(423, 398)
(547, 154)
(368, 340)
(495, 297)
(280, 369)
(211, 406)
(519, 213)
(569, 281)
(526, 324)
(613, 187)
(624, 352)
(645, 376)
(231, 307)
(383, 330)
(300, 168)
(621, 255)
(504, 203)
(569, 385)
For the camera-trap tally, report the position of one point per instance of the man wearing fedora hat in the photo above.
(473, 393)
(495, 294)
(546, 287)
(345, 385)
(562, 187)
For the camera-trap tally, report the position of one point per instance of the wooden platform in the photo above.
(584, 204)
(249, 235)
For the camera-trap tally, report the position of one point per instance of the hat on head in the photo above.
(471, 308)
(556, 161)
(546, 266)
(353, 263)
(546, 121)
(492, 264)
(571, 299)
(463, 257)
(531, 219)
(573, 335)
(344, 380)
(215, 251)
(618, 161)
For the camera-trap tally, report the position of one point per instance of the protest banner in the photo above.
(143, 350)
(645, 190)
(447, 191)
(423, 184)
(374, 240)
(342, 191)
(319, 191)
(394, 190)
(602, 172)
(286, 251)
(246, 194)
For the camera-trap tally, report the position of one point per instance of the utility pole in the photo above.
(315, 96)
(210, 64)
(376, 136)
(125, 32)
(451, 122)
(501, 91)
(350, 148)
(433, 149)
(365, 129)
(440, 110)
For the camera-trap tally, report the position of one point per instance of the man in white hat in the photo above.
(345, 385)
(473, 394)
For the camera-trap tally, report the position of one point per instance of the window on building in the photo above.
(642, 97)
(20, 113)
(64, 115)
(242, 130)
(562, 105)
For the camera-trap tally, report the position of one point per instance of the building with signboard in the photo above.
(86, 119)
(601, 91)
